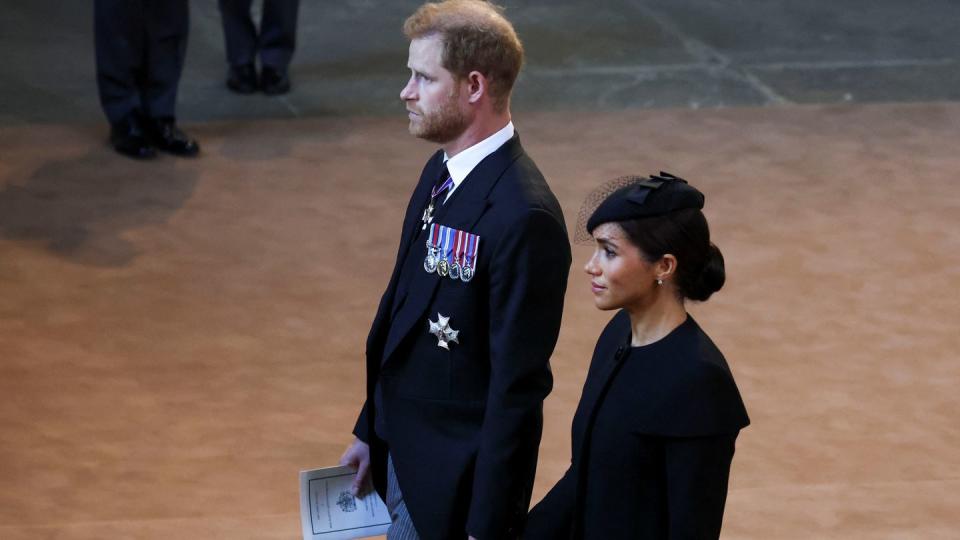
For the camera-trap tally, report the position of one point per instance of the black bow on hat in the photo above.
(653, 196)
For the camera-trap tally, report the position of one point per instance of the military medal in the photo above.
(427, 217)
(430, 261)
(444, 333)
(446, 241)
(451, 253)
(469, 267)
(455, 265)
(466, 273)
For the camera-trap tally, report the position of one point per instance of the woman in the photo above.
(654, 433)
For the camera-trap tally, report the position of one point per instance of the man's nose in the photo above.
(407, 93)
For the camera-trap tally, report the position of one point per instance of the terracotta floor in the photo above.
(179, 338)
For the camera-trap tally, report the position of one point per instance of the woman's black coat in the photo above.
(653, 438)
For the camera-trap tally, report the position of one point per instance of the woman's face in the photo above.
(620, 277)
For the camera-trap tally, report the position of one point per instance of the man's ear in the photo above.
(477, 86)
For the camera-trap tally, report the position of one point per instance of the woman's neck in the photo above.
(653, 322)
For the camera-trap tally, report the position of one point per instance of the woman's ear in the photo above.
(666, 267)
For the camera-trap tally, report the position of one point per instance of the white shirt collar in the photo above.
(463, 163)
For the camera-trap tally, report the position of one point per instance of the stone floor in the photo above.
(181, 337)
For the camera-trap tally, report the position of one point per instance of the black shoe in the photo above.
(242, 79)
(273, 81)
(165, 135)
(127, 138)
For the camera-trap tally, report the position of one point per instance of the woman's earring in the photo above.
(659, 282)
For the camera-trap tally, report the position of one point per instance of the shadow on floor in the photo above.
(81, 208)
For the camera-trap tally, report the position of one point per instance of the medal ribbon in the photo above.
(473, 243)
(437, 190)
(434, 237)
(457, 247)
(447, 242)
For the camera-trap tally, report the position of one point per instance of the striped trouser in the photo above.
(401, 526)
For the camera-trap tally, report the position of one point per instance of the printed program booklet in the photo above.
(328, 511)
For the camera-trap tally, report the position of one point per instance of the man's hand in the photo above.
(358, 457)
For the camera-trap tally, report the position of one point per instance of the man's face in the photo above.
(432, 95)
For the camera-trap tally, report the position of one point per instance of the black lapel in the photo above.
(418, 202)
(411, 226)
(466, 206)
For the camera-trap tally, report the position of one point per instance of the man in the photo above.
(275, 42)
(140, 47)
(457, 357)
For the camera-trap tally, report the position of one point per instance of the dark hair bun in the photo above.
(711, 277)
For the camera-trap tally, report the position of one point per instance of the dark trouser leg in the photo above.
(239, 32)
(168, 24)
(278, 33)
(119, 40)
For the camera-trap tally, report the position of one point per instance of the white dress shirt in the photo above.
(463, 163)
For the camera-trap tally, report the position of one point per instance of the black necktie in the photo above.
(441, 178)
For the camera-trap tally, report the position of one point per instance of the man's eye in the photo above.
(610, 253)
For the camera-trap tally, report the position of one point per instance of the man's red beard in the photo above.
(442, 125)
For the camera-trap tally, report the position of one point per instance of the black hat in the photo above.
(645, 197)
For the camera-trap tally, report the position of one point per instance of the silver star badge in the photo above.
(441, 329)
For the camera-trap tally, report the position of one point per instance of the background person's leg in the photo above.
(120, 46)
(239, 32)
(240, 36)
(168, 25)
(278, 40)
(119, 38)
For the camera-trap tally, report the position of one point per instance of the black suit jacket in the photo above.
(464, 424)
(653, 439)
